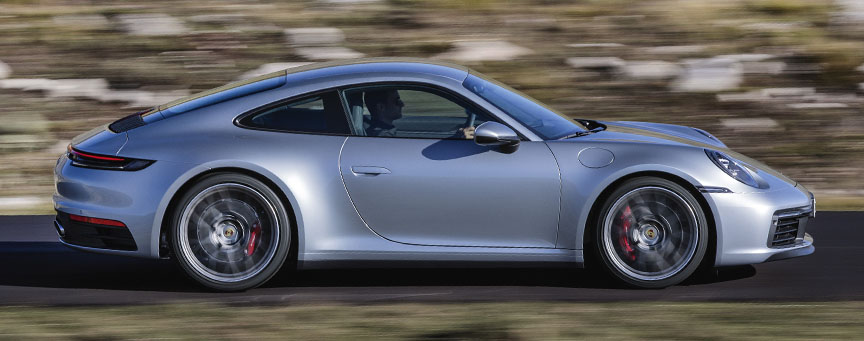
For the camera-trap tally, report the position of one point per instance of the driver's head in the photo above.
(384, 104)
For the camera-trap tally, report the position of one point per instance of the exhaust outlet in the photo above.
(60, 230)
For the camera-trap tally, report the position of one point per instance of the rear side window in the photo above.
(321, 113)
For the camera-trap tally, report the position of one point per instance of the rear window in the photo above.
(321, 113)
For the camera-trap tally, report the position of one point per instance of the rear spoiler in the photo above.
(200, 100)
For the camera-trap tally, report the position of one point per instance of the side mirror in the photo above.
(496, 134)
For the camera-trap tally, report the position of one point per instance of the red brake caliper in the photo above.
(626, 219)
(253, 238)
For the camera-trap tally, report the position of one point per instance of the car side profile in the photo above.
(395, 161)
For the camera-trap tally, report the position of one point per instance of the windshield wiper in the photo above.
(592, 125)
(581, 133)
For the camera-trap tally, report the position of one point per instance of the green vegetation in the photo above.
(499, 321)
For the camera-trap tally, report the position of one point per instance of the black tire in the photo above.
(230, 232)
(650, 233)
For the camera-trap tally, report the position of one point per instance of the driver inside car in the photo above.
(385, 106)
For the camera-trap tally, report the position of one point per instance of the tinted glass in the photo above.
(321, 113)
(544, 122)
(411, 111)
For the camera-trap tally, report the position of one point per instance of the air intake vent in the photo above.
(788, 228)
(127, 123)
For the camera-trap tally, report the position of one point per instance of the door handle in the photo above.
(369, 170)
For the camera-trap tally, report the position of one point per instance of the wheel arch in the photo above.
(591, 220)
(188, 181)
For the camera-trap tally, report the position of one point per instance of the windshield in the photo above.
(544, 122)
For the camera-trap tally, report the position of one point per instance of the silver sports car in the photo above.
(387, 161)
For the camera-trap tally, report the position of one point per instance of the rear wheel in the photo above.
(651, 233)
(230, 232)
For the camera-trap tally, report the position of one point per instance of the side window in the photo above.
(411, 111)
(321, 113)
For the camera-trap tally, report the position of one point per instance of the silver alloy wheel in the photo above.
(650, 233)
(229, 232)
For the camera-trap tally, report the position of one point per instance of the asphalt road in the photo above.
(36, 270)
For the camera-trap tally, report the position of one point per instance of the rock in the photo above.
(746, 57)
(484, 50)
(852, 11)
(861, 86)
(5, 70)
(529, 21)
(595, 45)
(787, 92)
(613, 63)
(327, 53)
(708, 75)
(94, 88)
(817, 105)
(674, 49)
(802, 68)
(797, 98)
(219, 18)
(651, 69)
(152, 24)
(348, 2)
(25, 84)
(59, 87)
(268, 68)
(89, 21)
(750, 124)
(58, 148)
(21, 202)
(750, 96)
(621, 19)
(860, 68)
(314, 36)
(319, 43)
(833, 97)
(777, 26)
(259, 28)
(770, 68)
(140, 98)
(23, 122)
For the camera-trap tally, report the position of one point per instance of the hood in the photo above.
(666, 131)
(670, 133)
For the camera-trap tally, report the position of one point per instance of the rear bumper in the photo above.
(93, 235)
(137, 199)
(750, 226)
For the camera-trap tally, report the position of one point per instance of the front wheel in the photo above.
(230, 232)
(652, 233)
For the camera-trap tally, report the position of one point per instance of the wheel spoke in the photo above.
(217, 225)
(659, 238)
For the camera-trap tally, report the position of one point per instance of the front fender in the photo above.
(582, 187)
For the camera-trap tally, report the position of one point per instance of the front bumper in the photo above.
(763, 226)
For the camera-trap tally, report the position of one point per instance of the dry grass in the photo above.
(503, 321)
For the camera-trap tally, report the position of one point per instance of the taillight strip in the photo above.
(97, 221)
(91, 156)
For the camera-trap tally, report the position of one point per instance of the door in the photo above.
(418, 178)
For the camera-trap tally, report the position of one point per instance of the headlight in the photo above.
(734, 168)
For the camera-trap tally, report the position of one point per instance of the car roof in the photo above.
(312, 71)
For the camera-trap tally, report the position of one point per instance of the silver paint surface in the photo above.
(442, 200)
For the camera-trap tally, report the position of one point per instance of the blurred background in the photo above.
(778, 80)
